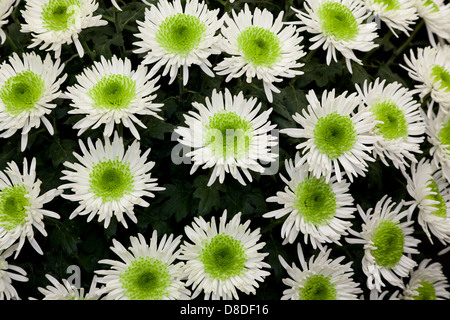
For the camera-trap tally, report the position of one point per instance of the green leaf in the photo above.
(209, 196)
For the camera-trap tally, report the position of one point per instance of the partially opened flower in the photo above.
(259, 46)
(435, 14)
(400, 126)
(319, 210)
(65, 290)
(334, 133)
(223, 259)
(388, 243)
(228, 135)
(321, 278)
(146, 271)
(6, 8)
(28, 86)
(108, 181)
(54, 23)
(8, 273)
(427, 282)
(111, 92)
(398, 15)
(431, 194)
(338, 25)
(438, 134)
(431, 69)
(21, 206)
(173, 37)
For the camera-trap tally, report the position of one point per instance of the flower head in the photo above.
(260, 47)
(109, 181)
(430, 68)
(173, 37)
(110, 92)
(8, 273)
(431, 194)
(27, 88)
(54, 23)
(228, 134)
(6, 8)
(427, 282)
(398, 15)
(65, 290)
(21, 206)
(317, 209)
(321, 278)
(388, 243)
(223, 259)
(438, 134)
(338, 25)
(400, 126)
(336, 133)
(435, 14)
(146, 272)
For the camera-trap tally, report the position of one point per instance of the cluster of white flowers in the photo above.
(339, 135)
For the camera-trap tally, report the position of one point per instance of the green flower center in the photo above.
(441, 211)
(427, 3)
(180, 34)
(315, 201)
(439, 73)
(390, 4)
(13, 203)
(146, 279)
(60, 15)
(388, 240)
(113, 92)
(228, 135)
(21, 92)
(223, 257)
(334, 134)
(394, 124)
(338, 21)
(318, 287)
(260, 46)
(111, 179)
(426, 291)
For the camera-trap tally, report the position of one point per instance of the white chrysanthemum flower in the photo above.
(388, 243)
(146, 272)
(398, 15)
(228, 134)
(427, 282)
(21, 206)
(431, 69)
(9, 272)
(259, 46)
(65, 290)
(109, 181)
(223, 259)
(431, 194)
(337, 132)
(54, 23)
(110, 92)
(400, 126)
(317, 209)
(27, 88)
(438, 134)
(338, 25)
(321, 278)
(435, 13)
(6, 8)
(173, 37)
